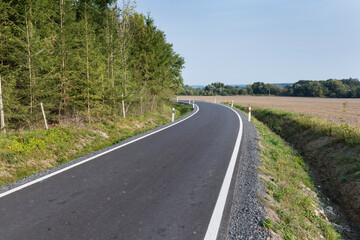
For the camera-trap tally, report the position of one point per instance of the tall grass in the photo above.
(290, 192)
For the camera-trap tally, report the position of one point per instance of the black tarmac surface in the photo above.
(164, 186)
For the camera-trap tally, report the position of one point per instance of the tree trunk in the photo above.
(87, 63)
(153, 103)
(103, 91)
(108, 46)
(125, 73)
(28, 39)
(112, 60)
(141, 106)
(2, 111)
(63, 53)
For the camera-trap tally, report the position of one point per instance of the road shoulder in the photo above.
(247, 211)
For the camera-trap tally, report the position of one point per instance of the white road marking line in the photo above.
(89, 159)
(215, 221)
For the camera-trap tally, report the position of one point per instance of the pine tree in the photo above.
(66, 19)
(80, 57)
(11, 57)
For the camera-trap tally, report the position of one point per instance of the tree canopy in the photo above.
(81, 58)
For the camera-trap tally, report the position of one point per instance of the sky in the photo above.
(271, 41)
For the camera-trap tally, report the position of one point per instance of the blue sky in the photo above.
(272, 41)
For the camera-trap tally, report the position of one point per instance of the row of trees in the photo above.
(344, 88)
(218, 88)
(81, 58)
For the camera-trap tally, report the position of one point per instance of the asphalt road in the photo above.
(164, 186)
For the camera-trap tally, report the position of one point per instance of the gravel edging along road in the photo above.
(247, 211)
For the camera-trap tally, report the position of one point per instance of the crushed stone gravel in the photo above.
(247, 211)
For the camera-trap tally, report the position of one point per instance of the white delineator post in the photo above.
(215, 100)
(249, 114)
(123, 105)
(43, 112)
(177, 99)
(193, 104)
(189, 101)
(173, 115)
(232, 103)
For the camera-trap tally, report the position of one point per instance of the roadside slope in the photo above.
(332, 154)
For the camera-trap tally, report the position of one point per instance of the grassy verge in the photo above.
(293, 207)
(331, 150)
(24, 153)
(292, 203)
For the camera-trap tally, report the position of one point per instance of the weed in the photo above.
(268, 223)
(355, 169)
(348, 159)
(271, 186)
(344, 179)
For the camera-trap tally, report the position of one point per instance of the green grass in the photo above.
(331, 149)
(182, 109)
(290, 192)
(23, 153)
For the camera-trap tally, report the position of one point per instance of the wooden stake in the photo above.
(43, 112)
(123, 105)
(141, 106)
(2, 111)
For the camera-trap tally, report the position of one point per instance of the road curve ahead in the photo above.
(164, 186)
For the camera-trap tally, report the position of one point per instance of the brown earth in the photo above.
(332, 109)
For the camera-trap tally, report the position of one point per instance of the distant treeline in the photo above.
(82, 59)
(334, 88)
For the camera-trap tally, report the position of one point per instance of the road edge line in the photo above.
(215, 221)
(92, 158)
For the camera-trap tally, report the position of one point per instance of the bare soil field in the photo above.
(332, 109)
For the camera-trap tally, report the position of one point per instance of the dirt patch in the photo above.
(336, 110)
(4, 174)
(102, 134)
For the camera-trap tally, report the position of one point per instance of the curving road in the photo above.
(164, 186)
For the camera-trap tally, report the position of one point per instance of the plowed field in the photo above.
(332, 109)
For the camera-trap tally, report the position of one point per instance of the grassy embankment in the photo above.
(293, 207)
(23, 153)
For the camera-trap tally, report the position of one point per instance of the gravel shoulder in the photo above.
(247, 211)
